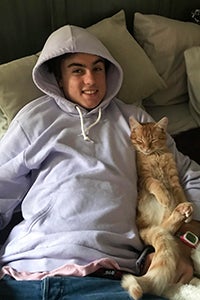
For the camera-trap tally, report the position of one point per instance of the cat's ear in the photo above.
(163, 123)
(133, 123)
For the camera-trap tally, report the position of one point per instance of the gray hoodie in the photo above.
(77, 196)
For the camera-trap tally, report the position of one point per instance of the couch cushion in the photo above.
(16, 85)
(164, 41)
(140, 76)
(192, 61)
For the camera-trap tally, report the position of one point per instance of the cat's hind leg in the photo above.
(129, 283)
(163, 265)
(134, 286)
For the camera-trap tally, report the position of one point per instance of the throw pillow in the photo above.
(192, 61)
(140, 77)
(16, 85)
(164, 41)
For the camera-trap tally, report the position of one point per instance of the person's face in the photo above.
(83, 79)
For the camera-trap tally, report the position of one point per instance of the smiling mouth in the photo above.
(89, 92)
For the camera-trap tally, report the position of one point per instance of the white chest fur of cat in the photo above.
(162, 207)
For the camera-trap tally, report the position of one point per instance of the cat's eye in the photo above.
(154, 140)
(139, 141)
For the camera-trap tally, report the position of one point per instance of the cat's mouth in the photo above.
(146, 151)
(150, 151)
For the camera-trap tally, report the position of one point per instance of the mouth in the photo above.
(89, 92)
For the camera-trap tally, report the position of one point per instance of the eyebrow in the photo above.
(83, 65)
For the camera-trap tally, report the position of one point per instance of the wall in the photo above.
(25, 24)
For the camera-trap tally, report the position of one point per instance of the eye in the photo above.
(78, 71)
(154, 141)
(139, 141)
(99, 68)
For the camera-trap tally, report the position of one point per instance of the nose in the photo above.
(89, 78)
(147, 147)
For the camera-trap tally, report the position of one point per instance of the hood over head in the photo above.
(73, 39)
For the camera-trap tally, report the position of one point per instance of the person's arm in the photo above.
(185, 267)
(193, 226)
(14, 178)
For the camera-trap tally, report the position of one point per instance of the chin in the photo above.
(91, 106)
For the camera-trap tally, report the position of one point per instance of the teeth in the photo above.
(90, 92)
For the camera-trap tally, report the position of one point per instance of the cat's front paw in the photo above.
(185, 209)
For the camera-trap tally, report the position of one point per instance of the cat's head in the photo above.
(148, 138)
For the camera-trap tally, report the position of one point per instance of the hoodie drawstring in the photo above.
(85, 131)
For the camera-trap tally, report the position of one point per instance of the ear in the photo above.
(60, 83)
(133, 123)
(163, 123)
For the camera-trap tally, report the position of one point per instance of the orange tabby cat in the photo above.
(162, 207)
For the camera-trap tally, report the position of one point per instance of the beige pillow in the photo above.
(3, 124)
(140, 77)
(164, 41)
(16, 85)
(192, 60)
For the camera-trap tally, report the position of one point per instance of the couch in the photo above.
(157, 43)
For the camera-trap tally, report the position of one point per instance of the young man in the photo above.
(66, 159)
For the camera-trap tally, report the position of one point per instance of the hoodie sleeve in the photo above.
(14, 174)
(189, 172)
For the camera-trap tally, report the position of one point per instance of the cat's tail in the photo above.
(162, 269)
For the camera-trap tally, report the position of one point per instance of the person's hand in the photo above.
(185, 268)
